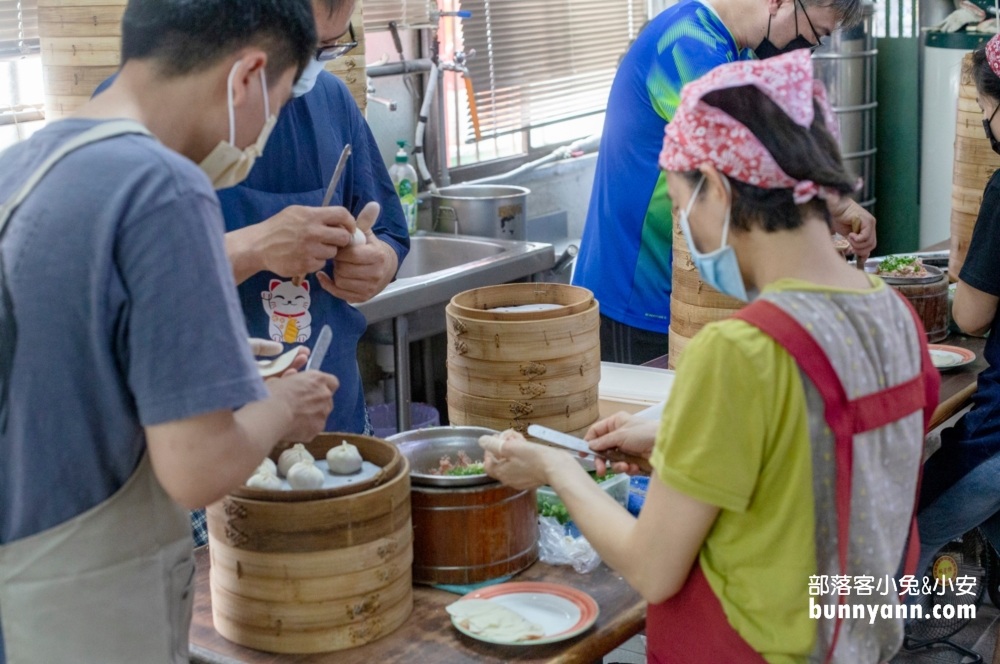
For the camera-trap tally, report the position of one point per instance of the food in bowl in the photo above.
(464, 466)
(901, 266)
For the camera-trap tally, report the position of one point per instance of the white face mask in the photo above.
(308, 78)
(227, 165)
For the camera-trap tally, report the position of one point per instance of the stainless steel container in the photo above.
(487, 210)
(846, 65)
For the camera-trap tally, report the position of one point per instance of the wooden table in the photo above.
(428, 635)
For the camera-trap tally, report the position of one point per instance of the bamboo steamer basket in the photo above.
(80, 47)
(479, 303)
(505, 523)
(693, 303)
(974, 163)
(513, 369)
(523, 380)
(319, 575)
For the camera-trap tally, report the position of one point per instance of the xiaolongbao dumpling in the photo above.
(344, 459)
(292, 456)
(305, 475)
(267, 467)
(264, 481)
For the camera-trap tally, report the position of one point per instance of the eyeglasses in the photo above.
(334, 51)
(819, 40)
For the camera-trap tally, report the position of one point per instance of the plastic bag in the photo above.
(557, 547)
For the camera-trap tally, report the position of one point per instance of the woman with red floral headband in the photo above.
(786, 462)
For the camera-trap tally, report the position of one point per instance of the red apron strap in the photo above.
(692, 626)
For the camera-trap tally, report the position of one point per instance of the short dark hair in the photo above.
(848, 12)
(186, 36)
(986, 80)
(803, 154)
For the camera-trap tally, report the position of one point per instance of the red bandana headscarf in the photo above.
(702, 134)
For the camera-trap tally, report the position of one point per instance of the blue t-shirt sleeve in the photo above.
(182, 341)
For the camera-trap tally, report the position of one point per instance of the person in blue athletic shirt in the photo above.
(627, 240)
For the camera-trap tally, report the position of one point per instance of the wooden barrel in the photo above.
(80, 47)
(315, 575)
(509, 369)
(930, 299)
(974, 163)
(693, 303)
(472, 534)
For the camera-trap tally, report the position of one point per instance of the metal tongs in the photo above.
(574, 444)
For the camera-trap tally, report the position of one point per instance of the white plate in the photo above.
(950, 357)
(562, 611)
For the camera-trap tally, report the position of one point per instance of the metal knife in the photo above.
(320, 349)
(572, 443)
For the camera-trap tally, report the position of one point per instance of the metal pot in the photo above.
(487, 210)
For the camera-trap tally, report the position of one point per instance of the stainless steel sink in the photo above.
(439, 266)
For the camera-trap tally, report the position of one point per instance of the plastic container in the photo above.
(617, 487)
(383, 418)
(404, 179)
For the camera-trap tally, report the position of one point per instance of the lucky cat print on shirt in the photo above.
(287, 307)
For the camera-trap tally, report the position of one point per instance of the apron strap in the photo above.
(844, 416)
(92, 135)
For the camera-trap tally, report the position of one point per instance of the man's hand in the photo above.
(856, 224)
(296, 241)
(361, 271)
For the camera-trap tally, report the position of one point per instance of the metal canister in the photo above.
(487, 210)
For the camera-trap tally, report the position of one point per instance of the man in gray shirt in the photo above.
(128, 390)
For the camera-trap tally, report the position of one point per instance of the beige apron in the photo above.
(113, 584)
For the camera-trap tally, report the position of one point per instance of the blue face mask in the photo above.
(307, 80)
(719, 269)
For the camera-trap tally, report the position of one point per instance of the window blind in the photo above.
(406, 13)
(18, 27)
(538, 63)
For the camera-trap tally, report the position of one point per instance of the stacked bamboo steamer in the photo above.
(318, 574)
(81, 47)
(693, 303)
(975, 162)
(537, 364)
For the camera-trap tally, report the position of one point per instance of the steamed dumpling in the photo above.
(305, 475)
(292, 456)
(266, 467)
(344, 459)
(264, 481)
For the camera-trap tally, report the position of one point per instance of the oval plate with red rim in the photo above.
(950, 357)
(563, 611)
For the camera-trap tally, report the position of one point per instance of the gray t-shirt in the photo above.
(126, 316)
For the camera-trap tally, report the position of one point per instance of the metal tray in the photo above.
(424, 447)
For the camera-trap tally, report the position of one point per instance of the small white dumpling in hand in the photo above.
(292, 456)
(264, 481)
(305, 475)
(344, 459)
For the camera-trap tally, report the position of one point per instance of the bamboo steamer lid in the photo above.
(974, 163)
(318, 575)
(693, 303)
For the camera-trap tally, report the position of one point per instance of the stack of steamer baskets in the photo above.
(693, 303)
(319, 570)
(975, 162)
(521, 354)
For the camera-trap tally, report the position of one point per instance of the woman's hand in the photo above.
(518, 463)
(624, 432)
